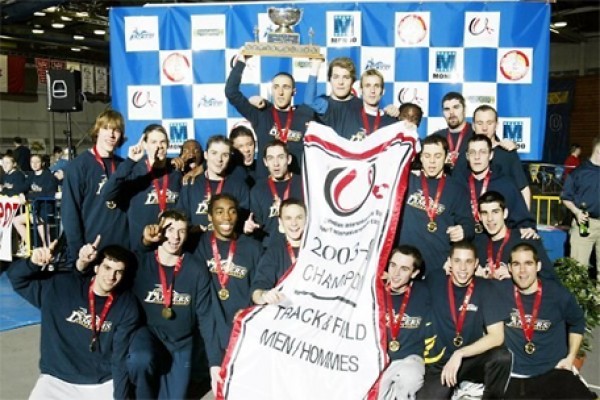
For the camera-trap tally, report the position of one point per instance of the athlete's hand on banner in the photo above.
(136, 152)
(250, 226)
(273, 296)
(392, 110)
(215, 378)
(41, 256)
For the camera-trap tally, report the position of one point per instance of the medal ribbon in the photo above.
(474, 195)
(458, 323)
(283, 133)
(396, 325)
(494, 264)
(290, 251)
(101, 162)
(528, 327)
(286, 192)
(208, 190)
(167, 291)
(161, 192)
(96, 329)
(365, 121)
(430, 208)
(454, 150)
(221, 275)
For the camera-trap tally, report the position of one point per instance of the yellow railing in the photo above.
(548, 199)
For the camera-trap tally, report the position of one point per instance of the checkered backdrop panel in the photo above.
(169, 63)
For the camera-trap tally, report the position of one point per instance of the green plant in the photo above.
(574, 276)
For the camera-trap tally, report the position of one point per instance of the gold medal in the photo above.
(432, 226)
(111, 205)
(478, 227)
(529, 348)
(394, 346)
(167, 313)
(458, 341)
(223, 294)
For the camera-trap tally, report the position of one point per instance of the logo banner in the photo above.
(327, 340)
(8, 209)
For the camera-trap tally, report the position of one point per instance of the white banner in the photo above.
(101, 79)
(328, 340)
(87, 79)
(8, 208)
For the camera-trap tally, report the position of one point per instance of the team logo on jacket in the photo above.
(155, 296)
(81, 317)
(515, 322)
(348, 188)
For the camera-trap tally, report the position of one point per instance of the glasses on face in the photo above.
(481, 153)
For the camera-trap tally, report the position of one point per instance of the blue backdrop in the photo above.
(169, 63)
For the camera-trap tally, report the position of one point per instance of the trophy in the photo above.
(283, 42)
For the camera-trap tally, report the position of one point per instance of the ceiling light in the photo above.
(75, 49)
(78, 37)
(39, 14)
(37, 31)
(51, 9)
(65, 18)
(560, 24)
(99, 32)
(58, 25)
(554, 31)
(82, 14)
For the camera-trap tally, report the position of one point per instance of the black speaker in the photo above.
(64, 90)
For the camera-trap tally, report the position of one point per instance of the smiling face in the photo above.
(433, 158)
(341, 83)
(217, 158)
(108, 139)
(372, 90)
(36, 163)
(462, 266)
(191, 153)
(223, 216)
(401, 270)
(282, 89)
(454, 113)
(108, 275)
(524, 269)
(292, 221)
(174, 235)
(492, 217)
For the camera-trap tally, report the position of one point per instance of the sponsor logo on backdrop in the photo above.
(343, 29)
(145, 102)
(514, 65)
(518, 130)
(208, 32)
(482, 29)
(176, 67)
(412, 29)
(377, 64)
(179, 130)
(409, 95)
(446, 64)
(141, 33)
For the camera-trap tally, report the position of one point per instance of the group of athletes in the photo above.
(162, 253)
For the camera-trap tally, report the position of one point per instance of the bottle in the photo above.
(584, 227)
